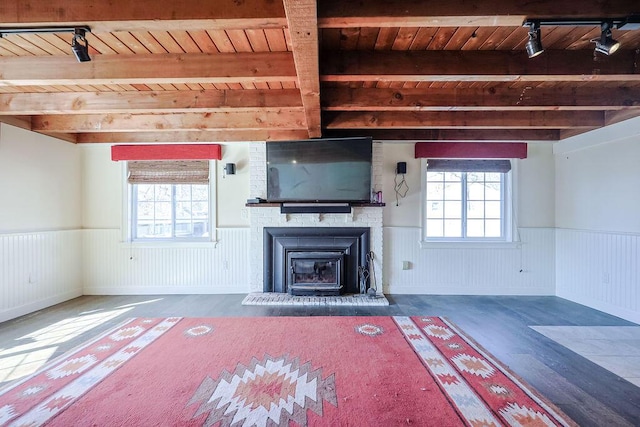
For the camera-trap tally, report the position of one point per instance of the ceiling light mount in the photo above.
(79, 43)
(605, 44)
(534, 45)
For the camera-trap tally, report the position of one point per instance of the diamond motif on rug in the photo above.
(267, 392)
(370, 330)
(517, 415)
(33, 390)
(127, 333)
(72, 366)
(437, 331)
(198, 331)
(6, 413)
(499, 390)
(473, 365)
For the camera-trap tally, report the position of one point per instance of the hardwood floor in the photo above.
(588, 393)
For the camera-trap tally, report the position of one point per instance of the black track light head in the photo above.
(606, 43)
(534, 45)
(80, 45)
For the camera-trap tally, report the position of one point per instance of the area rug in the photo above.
(277, 371)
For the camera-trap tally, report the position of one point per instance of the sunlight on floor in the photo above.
(29, 352)
(133, 304)
(615, 348)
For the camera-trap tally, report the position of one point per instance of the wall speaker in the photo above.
(401, 168)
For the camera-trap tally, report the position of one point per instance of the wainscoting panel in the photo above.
(38, 269)
(600, 270)
(116, 268)
(527, 268)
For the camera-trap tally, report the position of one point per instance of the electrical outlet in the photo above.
(406, 265)
(605, 278)
(225, 265)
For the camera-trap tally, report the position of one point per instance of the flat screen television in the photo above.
(319, 170)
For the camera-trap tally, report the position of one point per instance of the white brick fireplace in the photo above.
(269, 216)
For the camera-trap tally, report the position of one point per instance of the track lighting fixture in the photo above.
(534, 45)
(606, 44)
(79, 43)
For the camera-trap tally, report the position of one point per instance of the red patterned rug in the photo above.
(277, 371)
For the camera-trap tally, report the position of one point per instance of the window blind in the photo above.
(439, 165)
(168, 172)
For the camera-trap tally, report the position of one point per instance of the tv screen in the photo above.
(320, 170)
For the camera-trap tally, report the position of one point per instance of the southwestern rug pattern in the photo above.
(278, 371)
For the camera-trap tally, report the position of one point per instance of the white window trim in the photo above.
(511, 238)
(172, 243)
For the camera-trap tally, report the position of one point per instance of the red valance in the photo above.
(471, 150)
(167, 152)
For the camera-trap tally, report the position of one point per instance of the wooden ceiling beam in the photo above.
(147, 15)
(568, 133)
(464, 119)
(303, 29)
(22, 122)
(448, 134)
(222, 135)
(193, 101)
(285, 118)
(480, 99)
(148, 69)
(461, 13)
(470, 66)
(612, 117)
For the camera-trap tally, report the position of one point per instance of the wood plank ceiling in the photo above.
(228, 70)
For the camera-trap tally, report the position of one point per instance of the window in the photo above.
(169, 201)
(170, 211)
(467, 200)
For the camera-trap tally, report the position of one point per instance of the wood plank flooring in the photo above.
(588, 393)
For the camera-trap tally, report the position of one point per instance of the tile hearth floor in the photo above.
(273, 298)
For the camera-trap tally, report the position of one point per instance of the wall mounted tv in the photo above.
(319, 170)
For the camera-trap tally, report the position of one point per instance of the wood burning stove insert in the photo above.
(315, 273)
(314, 260)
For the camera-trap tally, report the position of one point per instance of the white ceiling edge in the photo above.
(618, 132)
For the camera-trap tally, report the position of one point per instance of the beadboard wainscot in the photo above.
(520, 268)
(113, 267)
(600, 270)
(38, 270)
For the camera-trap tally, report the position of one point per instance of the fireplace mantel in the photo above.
(277, 205)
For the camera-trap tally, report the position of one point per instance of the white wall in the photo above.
(102, 188)
(113, 266)
(598, 219)
(40, 180)
(523, 269)
(233, 190)
(40, 218)
(598, 187)
(61, 216)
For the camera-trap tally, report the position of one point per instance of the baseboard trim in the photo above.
(166, 290)
(34, 306)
